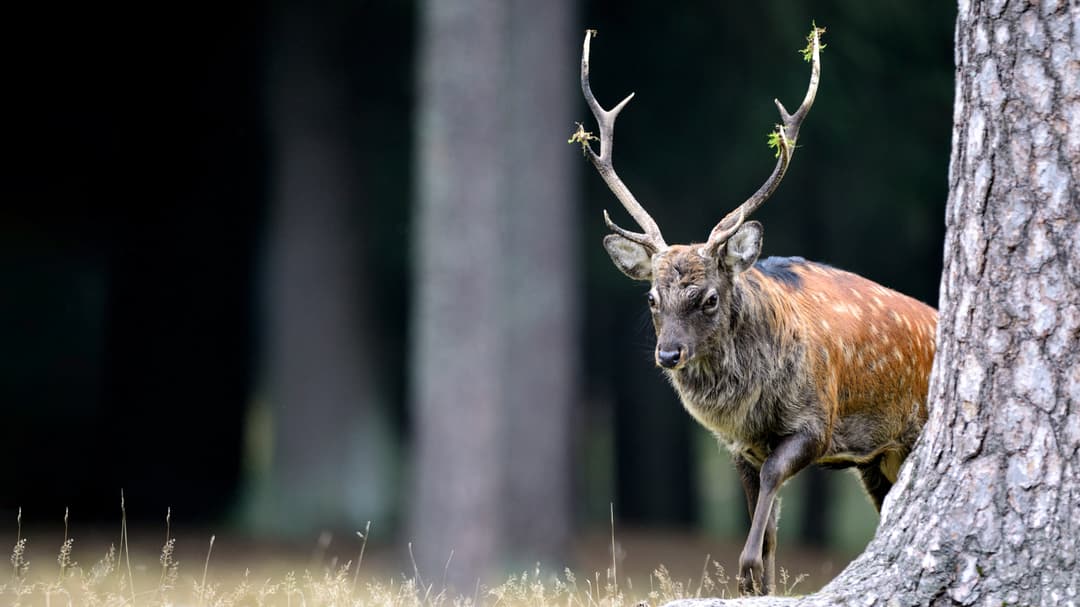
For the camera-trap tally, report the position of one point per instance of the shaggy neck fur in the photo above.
(728, 386)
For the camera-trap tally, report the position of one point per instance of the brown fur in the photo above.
(818, 351)
(789, 363)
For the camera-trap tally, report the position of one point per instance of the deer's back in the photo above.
(872, 350)
(823, 351)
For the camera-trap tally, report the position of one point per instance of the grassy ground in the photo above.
(155, 567)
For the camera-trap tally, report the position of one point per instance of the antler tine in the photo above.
(605, 119)
(786, 136)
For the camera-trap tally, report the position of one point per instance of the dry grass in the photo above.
(114, 581)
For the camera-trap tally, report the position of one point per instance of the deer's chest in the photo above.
(733, 411)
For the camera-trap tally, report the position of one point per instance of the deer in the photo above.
(788, 362)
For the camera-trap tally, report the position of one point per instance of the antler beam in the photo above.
(605, 119)
(786, 135)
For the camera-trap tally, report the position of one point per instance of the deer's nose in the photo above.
(668, 358)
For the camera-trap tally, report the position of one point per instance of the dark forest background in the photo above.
(212, 220)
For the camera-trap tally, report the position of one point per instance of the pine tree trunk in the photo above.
(987, 509)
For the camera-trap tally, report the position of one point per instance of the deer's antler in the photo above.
(605, 119)
(785, 136)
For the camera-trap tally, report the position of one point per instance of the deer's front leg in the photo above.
(792, 454)
(750, 477)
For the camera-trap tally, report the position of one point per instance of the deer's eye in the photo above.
(710, 302)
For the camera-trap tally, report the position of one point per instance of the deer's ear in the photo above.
(743, 248)
(633, 259)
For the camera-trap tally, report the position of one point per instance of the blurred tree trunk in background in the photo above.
(817, 499)
(541, 301)
(985, 509)
(328, 457)
(494, 361)
(457, 498)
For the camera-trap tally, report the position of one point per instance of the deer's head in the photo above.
(691, 285)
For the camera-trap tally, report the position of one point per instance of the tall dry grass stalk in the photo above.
(107, 583)
(125, 546)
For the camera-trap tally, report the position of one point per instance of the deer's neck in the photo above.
(753, 341)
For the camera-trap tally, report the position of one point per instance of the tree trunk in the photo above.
(494, 361)
(987, 509)
(328, 466)
(540, 306)
(455, 349)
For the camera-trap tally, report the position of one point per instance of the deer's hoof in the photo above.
(751, 576)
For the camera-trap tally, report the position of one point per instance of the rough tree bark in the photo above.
(987, 509)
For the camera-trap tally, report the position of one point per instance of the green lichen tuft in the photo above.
(815, 32)
(583, 137)
(774, 141)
